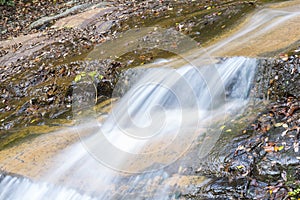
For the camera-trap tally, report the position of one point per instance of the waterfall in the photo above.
(143, 147)
(147, 133)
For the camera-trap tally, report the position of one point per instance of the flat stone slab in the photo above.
(82, 20)
(33, 157)
(30, 44)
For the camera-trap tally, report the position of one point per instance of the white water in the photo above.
(19, 188)
(150, 128)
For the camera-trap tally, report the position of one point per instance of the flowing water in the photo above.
(148, 132)
(266, 32)
(139, 150)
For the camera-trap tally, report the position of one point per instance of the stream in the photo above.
(164, 118)
(152, 126)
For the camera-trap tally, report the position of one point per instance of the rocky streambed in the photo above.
(257, 155)
(39, 65)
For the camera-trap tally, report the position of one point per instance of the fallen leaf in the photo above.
(284, 133)
(276, 148)
(285, 126)
(278, 124)
(92, 74)
(268, 149)
(77, 78)
(296, 147)
(283, 175)
(240, 167)
(240, 147)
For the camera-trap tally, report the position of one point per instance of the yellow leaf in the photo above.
(276, 148)
(280, 148)
(92, 74)
(222, 127)
(100, 77)
(228, 130)
(77, 78)
(240, 166)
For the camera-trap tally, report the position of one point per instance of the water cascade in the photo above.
(139, 149)
(154, 124)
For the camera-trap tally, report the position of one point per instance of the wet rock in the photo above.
(103, 27)
(280, 79)
(264, 160)
(51, 88)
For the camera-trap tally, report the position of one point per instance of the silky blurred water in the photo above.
(152, 126)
